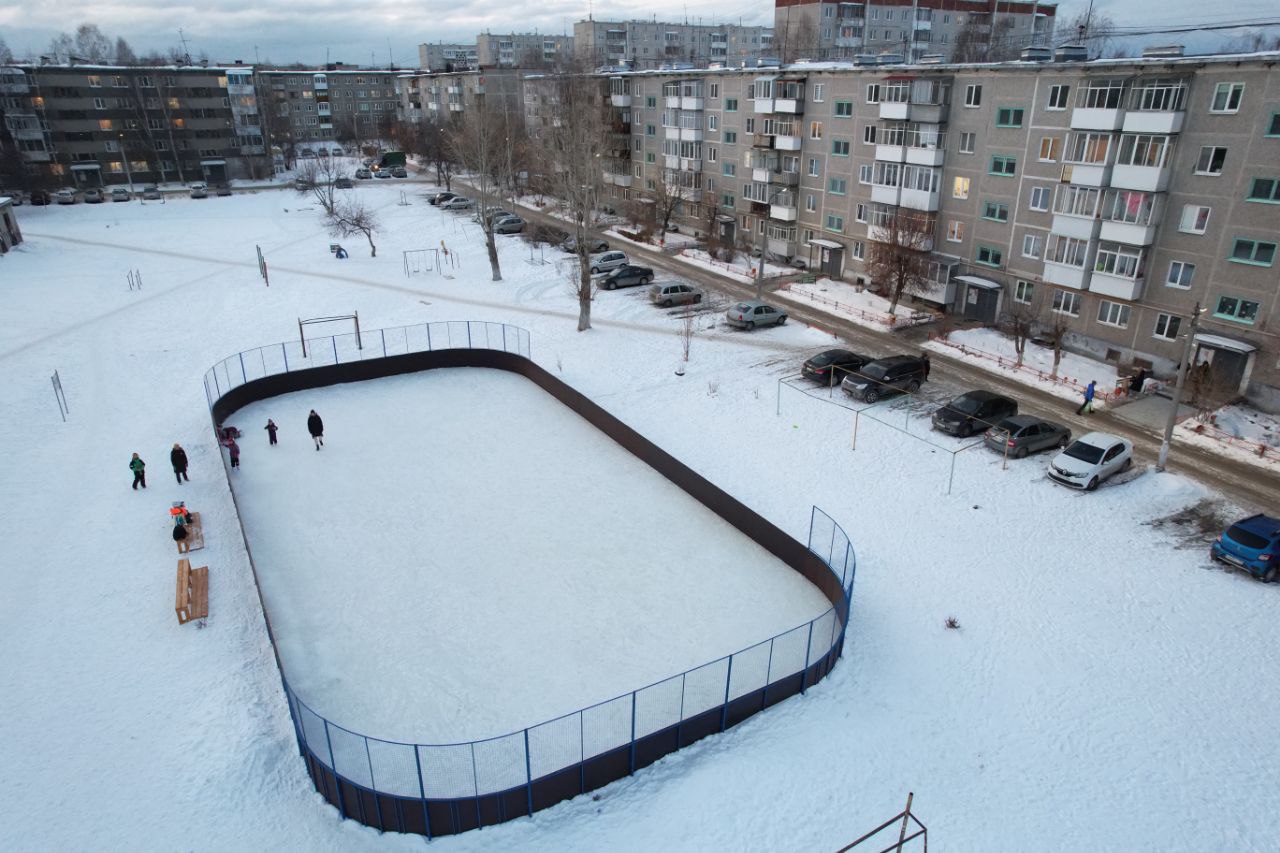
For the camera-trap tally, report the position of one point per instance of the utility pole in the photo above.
(1178, 388)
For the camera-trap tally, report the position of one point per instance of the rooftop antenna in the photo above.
(186, 51)
(391, 63)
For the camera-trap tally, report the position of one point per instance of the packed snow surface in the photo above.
(467, 556)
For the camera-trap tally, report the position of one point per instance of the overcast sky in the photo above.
(360, 31)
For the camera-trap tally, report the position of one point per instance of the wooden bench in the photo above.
(193, 592)
(195, 536)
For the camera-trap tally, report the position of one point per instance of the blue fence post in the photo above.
(373, 785)
(632, 757)
(244, 377)
(333, 765)
(724, 709)
(582, 757)
(207, 395)
(528, 773)
(284, 352)
(804, 675)
(831, 549)
(422, 792)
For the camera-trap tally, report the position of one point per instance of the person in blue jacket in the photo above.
(1087, 405)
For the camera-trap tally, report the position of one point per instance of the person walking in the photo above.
(271, 430)
(925, 357)
(178, 457)
(1087, 405)
(315, 426)
(139, 469)
(234, 450)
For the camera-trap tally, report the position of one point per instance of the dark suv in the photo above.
(626, 275)
(973, 412)
(883, 376)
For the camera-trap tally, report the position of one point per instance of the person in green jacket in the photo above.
(139, 469)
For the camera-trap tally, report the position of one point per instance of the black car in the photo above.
(891, 375)
(626, 275)
(441, 196)
(973, 412)
(39, 197)
(831, 366)
(343, 183)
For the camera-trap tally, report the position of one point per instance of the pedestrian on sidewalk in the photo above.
(178, 457)
(139, 469)
(315, 426)
(234, 450)
(271, 430)
(1087, 405)
(925, 357)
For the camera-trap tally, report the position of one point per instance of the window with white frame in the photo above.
(1067, 251)
(858, 249)
(1031, 245)
(1024, 292)
(973, 95)
(873, 93)
(816, 93)
(1118, 259)
(869, 135)
(813, 167)
(860, 213)
(1180, 274)
(1167, 326)
(960, 187)
(1066, 302)
(810, 203)
(864, 173)
(1211, 160)
(1039, 199)
(1113, 314)
(1195, 219)
(967, 142)
(1144, 149)
(1050, 148)
(713, 122)
(1058, 97)
(955, 231)
(1226, 98)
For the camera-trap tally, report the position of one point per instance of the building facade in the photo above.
(523, 50)
(443, 56)
(640, 45)
(1107, 197)
(951, 30)
(89, 126)
(442, 97)
(345, 106)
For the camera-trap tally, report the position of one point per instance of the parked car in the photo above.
(441, 197)
(383, 173)
(40, 197)
(667, 295)
(14, 196)
(627, 275)
(973, 412)
(884, 376)
(594, 245)
(1024, 434)
(1252, 544)
(363, 174)
(368, 161)
(748, 315)
(120, 194)
(493, 214)
(343, 183)
(458, 202)
(833, 362)
(222, 188)
(1090, 459)
(508, 225)
(399, 172)
(307, 153)
(301, 184)
(65, 196)
(199, 191)
(606, 261)
(93, 195)
(151, 192)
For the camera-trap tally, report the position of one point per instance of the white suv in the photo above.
(606, 261)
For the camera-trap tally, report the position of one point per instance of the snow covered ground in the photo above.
(1107, 688)
(467, 520)
(861, 306)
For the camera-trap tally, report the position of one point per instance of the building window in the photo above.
(1113, 314)
(714, 90)
(1227, 97)
(840, 147)
(955, 231)
(1235, 309)
(1024, 292)
(1167, 327)
(860, 213)
(726, 201)
(1039, 199)
(1066, 302)
(99, 103)
(650, 157)
(816, 96)
(1266, 190)
(650, 130)
(837, 186)
(713, 154)
(960, 188)
(1058, 97)
(1002, 164)
(873, 93)
(1050, 147)
(990, 256)
(995, 211)
(1031, 245)
(967, 141)
(869, 135)
(1195, 219)
(1009, 117)
(813, 167)
(651, 102)
(835, 223)
(1273, 126)
(844, 109)
(729, 169)
(1210, 160)
(864, 173)
(1068, 251)
(731, 105)
(815, 130)
(750, 125)
(858, 250)
(713, 122)
(1180, 274)
(810, 203)
(1118, 259)
(973, 95)
(730, 137)
(1253, 252)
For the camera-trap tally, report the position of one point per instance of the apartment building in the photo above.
(88, 126)
(333, 104)
(444, 96)
(640, 45)
(950, 30)
(523, 50)
(448, 57)
(1110, 197)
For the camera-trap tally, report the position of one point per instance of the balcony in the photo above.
(1097, 118)
(691, 103)
(670, 132)
(784, 211)
(786, 143)
(671, 161)
(690, 164)
(618, 179)
(1127, 232)
(1149, 179)
(881, 234)
(1116, 287)
(671, 102)
(911, 154)
(690, 134)
(780, 248)
(881, 194)
(775, 177)
(787, 106)
(453, 90)
(1086, 174)
(1153, 121)
(904, 111)
(919, 199)
(1066, 276)
(455, 107)
(622, 101)
(1079, 227)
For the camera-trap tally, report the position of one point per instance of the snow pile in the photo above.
(855, 303)
(743, 272)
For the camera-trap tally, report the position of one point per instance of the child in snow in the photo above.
(271, 430)
(234, 450)
(139, 469)
(315, 426)
(178, 457)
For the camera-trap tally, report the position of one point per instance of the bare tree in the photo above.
(898, 258)
(1055, 330)
(6, 55)
(319, 178)
(124, 54)
(277, 126)
(666, 195)
(477, 143)
(61, 48)
(1019, 323)
(351, 217)
(92, 44)
(1095, 30)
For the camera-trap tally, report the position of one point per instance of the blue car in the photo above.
(1252, 545)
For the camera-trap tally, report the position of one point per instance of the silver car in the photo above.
(667, 295)
(748, 315)
(151, 191)
(65, 196)
(606, 261)
(120, 194)
(508, 225)
(1023, 434)
(458, 202)
(199, 191)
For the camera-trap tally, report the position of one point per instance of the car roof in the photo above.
(1024, 420)
(894, 360)
(1100, 439)
(1263, 525)
(981, 394)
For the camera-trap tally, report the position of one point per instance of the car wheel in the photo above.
(782, 319)
(1020, 453)
(595, 270)
(647, 279)
(1091, 485)
(913, 386)
(697, 298)
(750, 324)
(1064, 441)
(1128, 463)
(666, 303)
(1272, 575)
(870, 395)
(608, 285)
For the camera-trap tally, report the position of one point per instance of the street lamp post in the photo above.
(1178, 389)
(763, 236)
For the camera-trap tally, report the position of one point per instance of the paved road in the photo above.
(1253, 488)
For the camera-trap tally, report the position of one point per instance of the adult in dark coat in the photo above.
(315, 426)
(178, 457)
